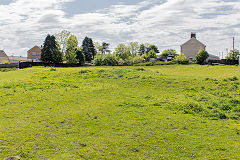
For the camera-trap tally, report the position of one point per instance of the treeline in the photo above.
(64, 47)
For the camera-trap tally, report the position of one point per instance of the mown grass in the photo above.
(157, 112)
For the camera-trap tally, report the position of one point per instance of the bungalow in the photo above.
(16, 59)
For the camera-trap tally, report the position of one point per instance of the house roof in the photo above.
(34, 47)
(3, 54)
(193, 39)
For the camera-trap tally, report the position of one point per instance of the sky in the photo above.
(165, 23)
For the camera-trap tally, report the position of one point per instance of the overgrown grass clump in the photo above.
(153, 112)
(7, 69)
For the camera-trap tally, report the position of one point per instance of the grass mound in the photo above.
(154, 112)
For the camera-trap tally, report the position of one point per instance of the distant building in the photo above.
(16, 59)
(191, 48)
(34, 54)
(3, 57)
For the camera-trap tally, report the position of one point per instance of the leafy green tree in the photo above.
(88, 49)
(80, 56)
(71, 50)
(202, 56)
(151, 54)
(62, 39)
(233, 55)
(142, 49)
(122, 52)
(168, 53)
(134, 48)
(152, 47)
(51, 50)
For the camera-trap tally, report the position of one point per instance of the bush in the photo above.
(5, 62)
(98, 60)
(182, 59)
(202, 56)
(107, 59)
(138, 59)
(233, 55)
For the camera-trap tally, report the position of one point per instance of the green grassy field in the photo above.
(157, 112)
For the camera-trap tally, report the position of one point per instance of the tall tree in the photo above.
(152, 47)
(142, 49)
(122, 51)
(88, 49)
(80, 56)
(71, 50)
(152, 54)
(168, 53)
(51, 50)
(62, 39)
(134, 48)
(104, 47)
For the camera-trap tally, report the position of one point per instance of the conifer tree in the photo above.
(51, 50)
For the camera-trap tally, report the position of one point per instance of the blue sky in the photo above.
(166, 23)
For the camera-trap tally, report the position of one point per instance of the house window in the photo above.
(35, 53)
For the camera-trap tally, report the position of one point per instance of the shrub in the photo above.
(98, 60)
(202, 56)
(5, 62)
(233, 55)
(182, 59)
(138, 59)
(107, 59)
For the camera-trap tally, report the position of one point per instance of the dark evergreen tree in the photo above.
(152, 47)
(88, 49)
(142, 49)
(51, 51)
(80, 56)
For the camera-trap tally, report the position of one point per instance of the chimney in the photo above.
(193, 35)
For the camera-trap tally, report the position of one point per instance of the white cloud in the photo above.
(166, 23)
